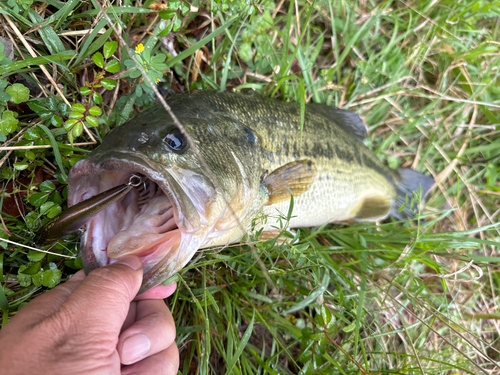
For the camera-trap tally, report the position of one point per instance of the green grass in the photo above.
(353, 299)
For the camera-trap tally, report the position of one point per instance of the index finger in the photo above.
(158, 292)
(154, 330)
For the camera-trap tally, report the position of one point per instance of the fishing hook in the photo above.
(140, 180)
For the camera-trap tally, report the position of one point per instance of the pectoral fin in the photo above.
(297, 176)
(372, 208)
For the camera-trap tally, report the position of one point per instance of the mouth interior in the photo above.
(142, 223)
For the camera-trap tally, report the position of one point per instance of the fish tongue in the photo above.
(150, 228)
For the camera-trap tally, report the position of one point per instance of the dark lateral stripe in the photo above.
(344, 154)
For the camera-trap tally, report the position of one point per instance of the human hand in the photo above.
(92, 325)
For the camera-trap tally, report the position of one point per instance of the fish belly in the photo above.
(334, 196)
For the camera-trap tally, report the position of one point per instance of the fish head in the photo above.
(181, 203)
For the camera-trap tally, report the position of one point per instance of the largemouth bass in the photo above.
(257, 153)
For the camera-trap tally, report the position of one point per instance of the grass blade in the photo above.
(57, 153)
(41, 60)
(196, 46)
(241, 346)
(312, 297)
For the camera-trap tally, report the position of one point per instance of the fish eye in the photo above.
(175, 140)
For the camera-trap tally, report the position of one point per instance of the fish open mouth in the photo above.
(141, 223)
(146, 222)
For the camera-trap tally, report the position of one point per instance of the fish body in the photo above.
(258, 155)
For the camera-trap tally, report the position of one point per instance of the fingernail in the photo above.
(135, 348)
(131, 261)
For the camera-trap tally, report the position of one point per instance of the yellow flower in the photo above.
(157, 80)
(139, 48)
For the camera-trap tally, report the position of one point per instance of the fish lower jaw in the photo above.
(149, 235)
(158, 249)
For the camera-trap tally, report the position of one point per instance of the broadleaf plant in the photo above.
(88, 114)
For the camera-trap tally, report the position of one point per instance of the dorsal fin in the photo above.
(297, 176)
(348, 121)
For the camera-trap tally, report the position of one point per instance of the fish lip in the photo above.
(86, 172)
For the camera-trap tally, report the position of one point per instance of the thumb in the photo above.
(105, 294)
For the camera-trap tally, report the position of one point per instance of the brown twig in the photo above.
(6, 230)
(13, 139)
(351, 358)
(42, 146)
